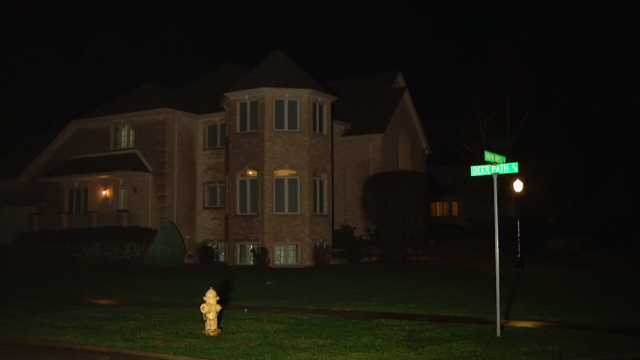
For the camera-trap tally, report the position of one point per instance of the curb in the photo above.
(94, 348)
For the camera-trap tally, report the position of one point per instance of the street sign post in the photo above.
(494, 158)
(499, 165)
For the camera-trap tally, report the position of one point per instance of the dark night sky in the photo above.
(59, 62)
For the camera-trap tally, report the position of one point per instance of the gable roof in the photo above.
(277, 70)
(199, 97)
(368, 102)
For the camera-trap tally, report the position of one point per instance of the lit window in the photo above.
(248, 192)
(445, 209)
(287, 254)
(286, 192)
(442, 209)
(286, 114)
(219, 250)
(319, 193)
(454, 208)
(215, 195)
(248, 116)
(122, 136)
(216, 135)
(245, 255)
(318, 119)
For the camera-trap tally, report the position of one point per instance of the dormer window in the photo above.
(122, 136)
(286, 114)
(248, 116)
(318, 119)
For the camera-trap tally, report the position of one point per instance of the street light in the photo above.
(517, 187)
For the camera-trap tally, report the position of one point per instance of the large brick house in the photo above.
(266, 157)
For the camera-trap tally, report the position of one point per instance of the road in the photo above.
(13, 352)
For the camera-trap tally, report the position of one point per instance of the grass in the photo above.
(290, 336)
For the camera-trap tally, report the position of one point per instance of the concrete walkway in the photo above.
(356, 314)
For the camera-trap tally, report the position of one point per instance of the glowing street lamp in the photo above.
(518, 185)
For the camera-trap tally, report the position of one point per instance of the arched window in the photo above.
(286, 192)
(248, 192)
(319, 192)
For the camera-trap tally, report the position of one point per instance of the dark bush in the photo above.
(343, 237)
(260, 257)
(168, 247)
(321, 255)
(207, 255)
(354, 252)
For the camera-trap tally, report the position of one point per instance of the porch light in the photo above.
(104, 193)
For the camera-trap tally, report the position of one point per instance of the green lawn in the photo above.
(289, 336)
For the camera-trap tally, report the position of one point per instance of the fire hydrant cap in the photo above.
(211, 294)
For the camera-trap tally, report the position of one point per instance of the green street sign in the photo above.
(506, 168)
(494, 158)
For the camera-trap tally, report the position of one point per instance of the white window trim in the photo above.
(238, 178)
(248, 116)
(255, 245)
(316, 118)
(130, 142)
(217, 185)
(286, 194)
(324, 190)
(286, 254)
(286, 114)
(206, 135)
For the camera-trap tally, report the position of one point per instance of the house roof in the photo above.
(99, 164)
(368, 102)
(199, 97)
(277, 70)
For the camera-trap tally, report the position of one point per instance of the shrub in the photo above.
(343, 237)
(168, 247)
(207, 255)
(260, 257)
(321, 255)
(354, 252)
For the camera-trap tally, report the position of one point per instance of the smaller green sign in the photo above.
(482, 170)
(494, 158)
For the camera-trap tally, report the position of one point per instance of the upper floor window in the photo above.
(319, 193)
(123, 136)
(216, 135)
(286, 114)
(248, 116)
(319, 125)
(215, 195)
(248, 192)
(442, 208)
(286, 192)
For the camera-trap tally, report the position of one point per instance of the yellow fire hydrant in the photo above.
(210, 310)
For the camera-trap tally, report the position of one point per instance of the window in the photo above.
(286, 192)
(287, 254)
(286, 114)
(122, 198)
(77, 201)
(248, 116)
(318, 119)
(216, 135)
(215, 195)
(245, 257)
(219, 251)
(442, 209)
(319, 193)
(248, 192)
(123, 136)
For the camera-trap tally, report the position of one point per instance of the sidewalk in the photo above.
(369, 315)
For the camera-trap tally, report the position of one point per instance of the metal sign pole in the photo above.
(495, 221)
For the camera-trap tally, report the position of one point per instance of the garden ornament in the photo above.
(210, 310)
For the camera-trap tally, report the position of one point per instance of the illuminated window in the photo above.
(445, 209)
(248, 192)
(216, 135)
(442, 208)
(77, 201)
(215, 195)
(454, 208)
(318, 119)
(287, 254)
(286, 192)
(122, 136)
(286, 114)
(319, 193)
(219, 250)
(248, 116)
(245, 256)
